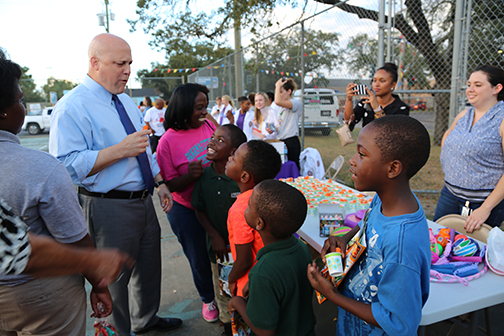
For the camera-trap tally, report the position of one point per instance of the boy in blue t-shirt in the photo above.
(384, 292)
(214, 193)
(280, 295)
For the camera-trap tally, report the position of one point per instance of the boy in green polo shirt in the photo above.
(213, 195)
(280, 296)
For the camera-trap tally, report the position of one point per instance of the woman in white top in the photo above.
(265, 121)
(227, 111)
(288, 113)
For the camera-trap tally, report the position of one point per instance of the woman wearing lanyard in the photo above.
(288, 117)
(379, 102)
(472, 154)
(264, 120)
(226, 115)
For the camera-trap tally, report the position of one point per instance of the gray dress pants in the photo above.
(132, 227)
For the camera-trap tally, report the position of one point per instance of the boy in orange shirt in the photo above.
(252, 163)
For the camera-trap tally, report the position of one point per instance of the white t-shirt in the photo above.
(155, 119)
(288, 120)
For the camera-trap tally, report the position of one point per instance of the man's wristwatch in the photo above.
(160, 183)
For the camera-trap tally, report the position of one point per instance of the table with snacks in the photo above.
(446, 300)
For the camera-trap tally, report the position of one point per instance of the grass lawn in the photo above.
(428, 179)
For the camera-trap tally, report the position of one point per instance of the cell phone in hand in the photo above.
(271, 126)
(361, 90)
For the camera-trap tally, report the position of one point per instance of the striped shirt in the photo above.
(15, 248)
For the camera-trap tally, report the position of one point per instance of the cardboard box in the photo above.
(280, 147)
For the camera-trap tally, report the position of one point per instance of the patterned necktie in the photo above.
(143, 160)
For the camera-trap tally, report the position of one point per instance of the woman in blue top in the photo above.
(472, 153)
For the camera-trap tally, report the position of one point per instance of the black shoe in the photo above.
(163, 324)
(227, 329)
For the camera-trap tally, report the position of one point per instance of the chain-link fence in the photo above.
(341, 46)
(435, 44)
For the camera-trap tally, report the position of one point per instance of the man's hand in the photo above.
(195, 169)
(101, 302)
(106, 265)
(165, 197)
(135, 143)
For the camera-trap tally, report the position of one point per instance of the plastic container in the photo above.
(334, 263)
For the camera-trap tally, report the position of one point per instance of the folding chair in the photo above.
(336, 166)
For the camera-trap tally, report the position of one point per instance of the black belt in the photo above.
(118, 194)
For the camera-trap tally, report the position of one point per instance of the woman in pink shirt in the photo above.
(181, 155)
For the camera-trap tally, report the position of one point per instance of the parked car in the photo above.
(38, 121)
(321, 109)
(419, 105)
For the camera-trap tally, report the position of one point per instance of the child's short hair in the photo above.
(281, 206)
(403, 138)
(236, 134)
(262, 160)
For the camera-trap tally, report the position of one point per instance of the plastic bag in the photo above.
(495, 251)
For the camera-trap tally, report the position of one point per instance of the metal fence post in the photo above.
(257, 68)
(389, 30)
(381, 28)
(455, 79)
(302, 86)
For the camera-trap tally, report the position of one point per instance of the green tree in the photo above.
(282, 53)
(360, 55)
(180, 55)
(58, 86)
(29, 88)
(360, 58)
(417, 28)
(166, 20)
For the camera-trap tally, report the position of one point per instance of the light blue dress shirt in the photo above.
(86, 121)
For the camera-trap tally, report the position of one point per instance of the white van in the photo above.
(321, 109)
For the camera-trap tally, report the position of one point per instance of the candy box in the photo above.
(329, 222)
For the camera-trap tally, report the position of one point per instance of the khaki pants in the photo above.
(221, 300)
(49, 306)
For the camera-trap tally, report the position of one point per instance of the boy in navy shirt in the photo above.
(384, 292)
(280, 295)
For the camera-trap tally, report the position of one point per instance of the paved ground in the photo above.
(180, 298)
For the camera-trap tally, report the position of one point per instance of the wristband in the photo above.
(380, 108)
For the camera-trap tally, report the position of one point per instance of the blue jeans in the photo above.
(192, 236)
(449, 204)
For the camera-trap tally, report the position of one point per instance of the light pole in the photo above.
(103, 19)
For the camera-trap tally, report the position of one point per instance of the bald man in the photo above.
(97, 134)
(154, 118)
